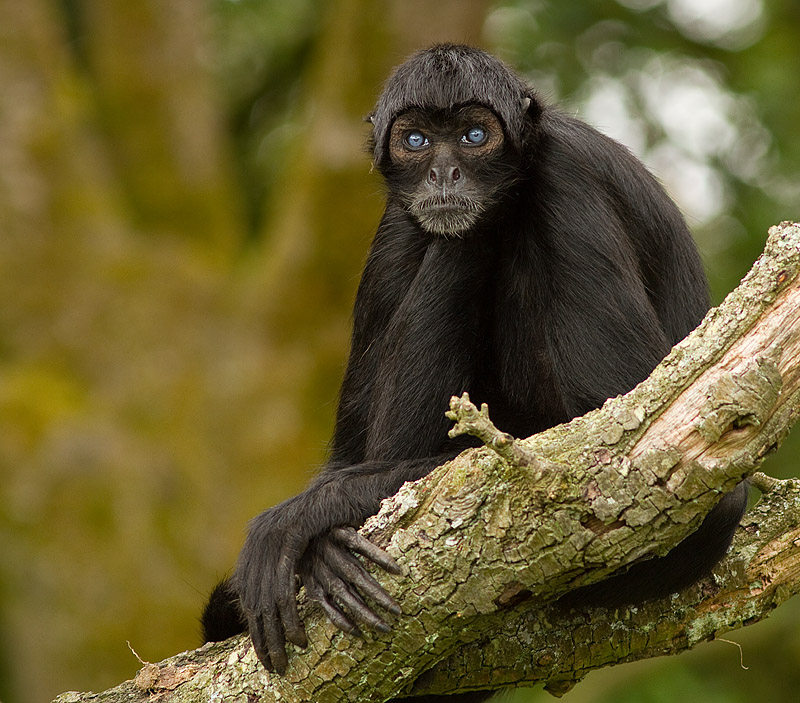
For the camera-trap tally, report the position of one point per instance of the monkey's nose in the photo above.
(444, 175)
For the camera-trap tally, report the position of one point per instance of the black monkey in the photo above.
(523, 257)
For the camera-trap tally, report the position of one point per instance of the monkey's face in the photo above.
(448, 168)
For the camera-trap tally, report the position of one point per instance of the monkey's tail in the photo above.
(222, 617)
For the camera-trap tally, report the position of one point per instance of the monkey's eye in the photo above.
(416, 140)
(475, 136)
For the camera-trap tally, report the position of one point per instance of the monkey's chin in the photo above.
(446, 221)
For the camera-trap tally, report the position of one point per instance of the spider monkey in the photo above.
(523, 257)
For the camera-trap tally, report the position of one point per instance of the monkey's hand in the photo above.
(337, 580)
(266, 580)
(278, 550)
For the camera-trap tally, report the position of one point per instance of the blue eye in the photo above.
(416, 140)
(475, 136)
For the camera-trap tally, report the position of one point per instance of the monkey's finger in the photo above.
(275, 643)
(256, 630)
(266, 628)
(351, 571)
(334, 613)
(341, 591)
(361, 610)
(294, 629)
(338, 618)
(286, 601)
(352, 539)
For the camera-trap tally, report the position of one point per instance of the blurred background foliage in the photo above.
(185, 205)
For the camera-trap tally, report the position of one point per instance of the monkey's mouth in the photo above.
(445, 215)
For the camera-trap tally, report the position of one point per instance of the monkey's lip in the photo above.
(446, 216)
(447, 207)
(451, 203)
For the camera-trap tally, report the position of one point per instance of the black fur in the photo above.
(572, 284)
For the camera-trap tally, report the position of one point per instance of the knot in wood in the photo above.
(740, 398)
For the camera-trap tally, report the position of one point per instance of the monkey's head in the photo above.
(450, 132)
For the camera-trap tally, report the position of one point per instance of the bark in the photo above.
(488, 541)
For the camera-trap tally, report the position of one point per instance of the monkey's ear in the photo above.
(531, 107)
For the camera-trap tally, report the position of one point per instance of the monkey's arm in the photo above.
(425, 354)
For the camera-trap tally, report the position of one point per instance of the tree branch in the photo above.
(488, 541)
